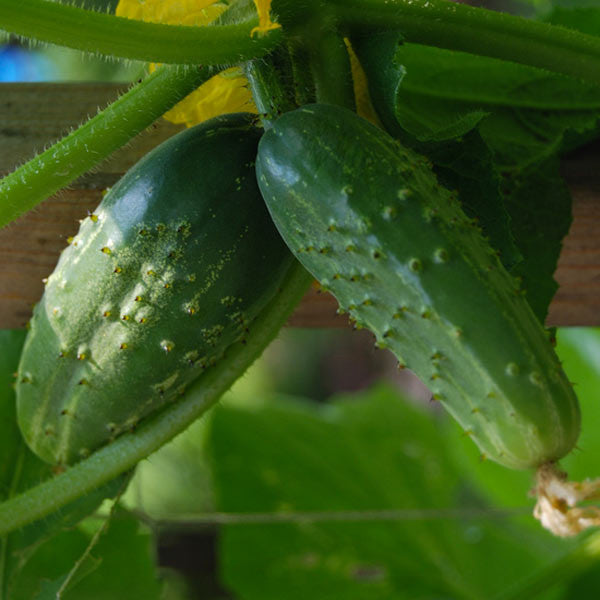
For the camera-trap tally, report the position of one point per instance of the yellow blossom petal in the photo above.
(364, 107)
(174, 12)
(263, 7)
(224, 93)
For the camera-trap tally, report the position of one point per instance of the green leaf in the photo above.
(363, 453)
(585, 585)
(467, 167)
(520, 137)
(120, 566)
(21, 469)
(125, 564)
(579, 351)
(48, 564)
(539, 204)
(435, 94)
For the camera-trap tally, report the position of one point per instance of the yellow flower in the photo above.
(263, 7)
(224, 93)
(172, 12)
(228, 91)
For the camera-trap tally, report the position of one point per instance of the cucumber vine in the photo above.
(233, 40)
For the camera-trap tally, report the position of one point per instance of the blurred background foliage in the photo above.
(404, 506)
(324, 473)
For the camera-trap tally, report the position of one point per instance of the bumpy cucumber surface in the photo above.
(369, 220)
(169, 270)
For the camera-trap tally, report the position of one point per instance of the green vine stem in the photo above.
(78, 152)
(107, 34)
(127, 450)
(303, 83)
(479, 31)
(330, 66)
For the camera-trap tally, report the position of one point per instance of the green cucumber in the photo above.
(369, 220)
(168, 272)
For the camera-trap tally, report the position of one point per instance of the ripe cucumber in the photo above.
(369, 220)
(169, 271)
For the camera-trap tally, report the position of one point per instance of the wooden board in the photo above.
(32, 116)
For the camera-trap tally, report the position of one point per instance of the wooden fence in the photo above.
(32, 116)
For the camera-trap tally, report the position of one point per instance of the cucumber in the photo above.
(369, 220)
(167, 273)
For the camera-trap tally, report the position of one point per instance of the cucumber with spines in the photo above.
(166, 274)
(369, 220)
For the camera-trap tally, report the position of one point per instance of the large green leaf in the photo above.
(520, 137)
(539, 204)
(120, 566)
(365, 453)
(579, 351)
(126, 568)
(467, 167)
(436, 94)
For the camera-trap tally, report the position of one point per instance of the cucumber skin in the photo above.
(169, 271)
(368, 219)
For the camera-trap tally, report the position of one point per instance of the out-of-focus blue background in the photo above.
(19, 64)
(21, 61)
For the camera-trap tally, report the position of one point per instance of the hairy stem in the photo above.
(78, 152)
(268, 92)
(110, 35)
(127, 450)
(479, 31)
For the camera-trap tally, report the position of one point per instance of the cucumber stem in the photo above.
(110, 129)
(461, 27)
(127, 450)
(107, 34)
(269, 94)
